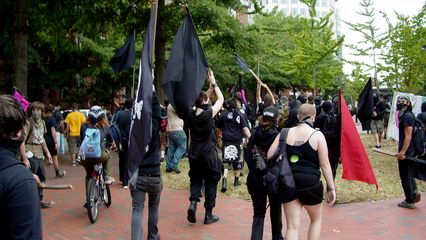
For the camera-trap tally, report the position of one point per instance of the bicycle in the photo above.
(98, 192)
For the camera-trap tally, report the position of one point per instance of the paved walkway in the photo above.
(68, 219)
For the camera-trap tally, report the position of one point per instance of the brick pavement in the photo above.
(68, 219)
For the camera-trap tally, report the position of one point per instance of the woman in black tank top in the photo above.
(307, 153)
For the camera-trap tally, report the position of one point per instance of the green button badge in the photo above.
(294, 158)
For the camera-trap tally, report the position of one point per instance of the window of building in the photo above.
(293, 11)
(285, 10)
(317, 3)
(325, 3)
(274, 1)
(294, 1)
(303, 12)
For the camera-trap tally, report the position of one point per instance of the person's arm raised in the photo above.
(219, 102)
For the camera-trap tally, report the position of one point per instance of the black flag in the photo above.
(140, 128)
(365, 105)
(242, 64)
(186, 69)
(124, 56)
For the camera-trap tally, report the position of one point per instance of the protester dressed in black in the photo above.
(259, 143)
(204, 164)
(406, 149)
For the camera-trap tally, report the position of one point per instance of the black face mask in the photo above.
(204, 106)
(400, 106)
(13, 145)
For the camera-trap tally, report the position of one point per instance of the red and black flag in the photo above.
(366, 105)
(355, 163)
(124, 56)
(140, 128)
(186, 69)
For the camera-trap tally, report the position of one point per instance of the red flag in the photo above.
(355, 163)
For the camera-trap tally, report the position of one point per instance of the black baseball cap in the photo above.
(271, 112)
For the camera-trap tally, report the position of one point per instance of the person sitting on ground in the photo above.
(307, 153)
(97, 119)
(19, 198)
(51, 139)
(34, 149)
(259, 144)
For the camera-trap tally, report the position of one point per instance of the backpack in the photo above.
(329, 128)
(278, 180)
(91, 145)
(418, 138)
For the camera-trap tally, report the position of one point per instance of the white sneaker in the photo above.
(109, 180)
(125, 187)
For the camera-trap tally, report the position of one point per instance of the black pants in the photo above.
(259, 198)
(333, 157)
(37, 167)
(208, 178)
(123, 158)
(407, 180)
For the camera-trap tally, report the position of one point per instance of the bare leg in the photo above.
(292, 211)
(315, 214)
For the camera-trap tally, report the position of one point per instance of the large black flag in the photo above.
(124, 56)
(242, 63)
(140, 128)
(365, 105)
(186, 69)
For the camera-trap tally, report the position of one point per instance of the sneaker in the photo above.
(60, 174)
(46, 204)
(378, 146)
(125, 187)
(73, 163)
(78, 160)
(168, 169)
(418, 196)
(109, 180)
(176, 170)
(404, 204)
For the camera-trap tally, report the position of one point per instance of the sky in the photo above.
(348, 12)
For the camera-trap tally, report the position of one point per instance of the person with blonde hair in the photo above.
(307, 154)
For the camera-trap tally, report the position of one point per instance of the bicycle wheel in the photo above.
(107, 196)
(92, 200)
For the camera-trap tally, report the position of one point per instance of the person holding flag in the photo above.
(205, 168)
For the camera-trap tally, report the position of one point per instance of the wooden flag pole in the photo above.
(263, 85)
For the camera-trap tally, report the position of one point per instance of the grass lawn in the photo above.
(385, 169)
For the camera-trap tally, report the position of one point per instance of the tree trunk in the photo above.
(20, 67)
(160, 50)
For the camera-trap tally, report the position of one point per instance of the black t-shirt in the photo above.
(201, 126)
(50, 122)
(232, 123)
(58, 118)
(380, 110)
(406, 120)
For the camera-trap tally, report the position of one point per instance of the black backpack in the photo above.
(330, 126)
(418, 138)
(278, 179)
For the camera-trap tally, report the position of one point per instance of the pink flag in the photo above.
(24, 102)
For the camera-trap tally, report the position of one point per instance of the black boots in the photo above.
(237, 182)
(191, 212)
(224, 185)
(210, 218)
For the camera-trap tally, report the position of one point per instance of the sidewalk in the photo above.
(68, 220)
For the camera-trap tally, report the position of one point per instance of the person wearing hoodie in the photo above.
(19, 198)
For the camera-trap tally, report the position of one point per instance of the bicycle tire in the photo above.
(92, 200)
(107, 196)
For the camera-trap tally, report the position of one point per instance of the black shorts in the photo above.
(310, 190)
(231, 153)
(51, 146)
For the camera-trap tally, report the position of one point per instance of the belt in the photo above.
(151, 175)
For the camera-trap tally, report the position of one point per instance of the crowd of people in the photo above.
(217, 136)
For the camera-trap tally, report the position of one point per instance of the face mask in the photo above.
(205, 107)
(36, 115)
(400, 106)
(13, 145)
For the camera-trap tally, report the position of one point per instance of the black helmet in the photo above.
(96, 113)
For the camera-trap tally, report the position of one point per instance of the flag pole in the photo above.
(133, 77)
(154, 32)
(263, 84)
